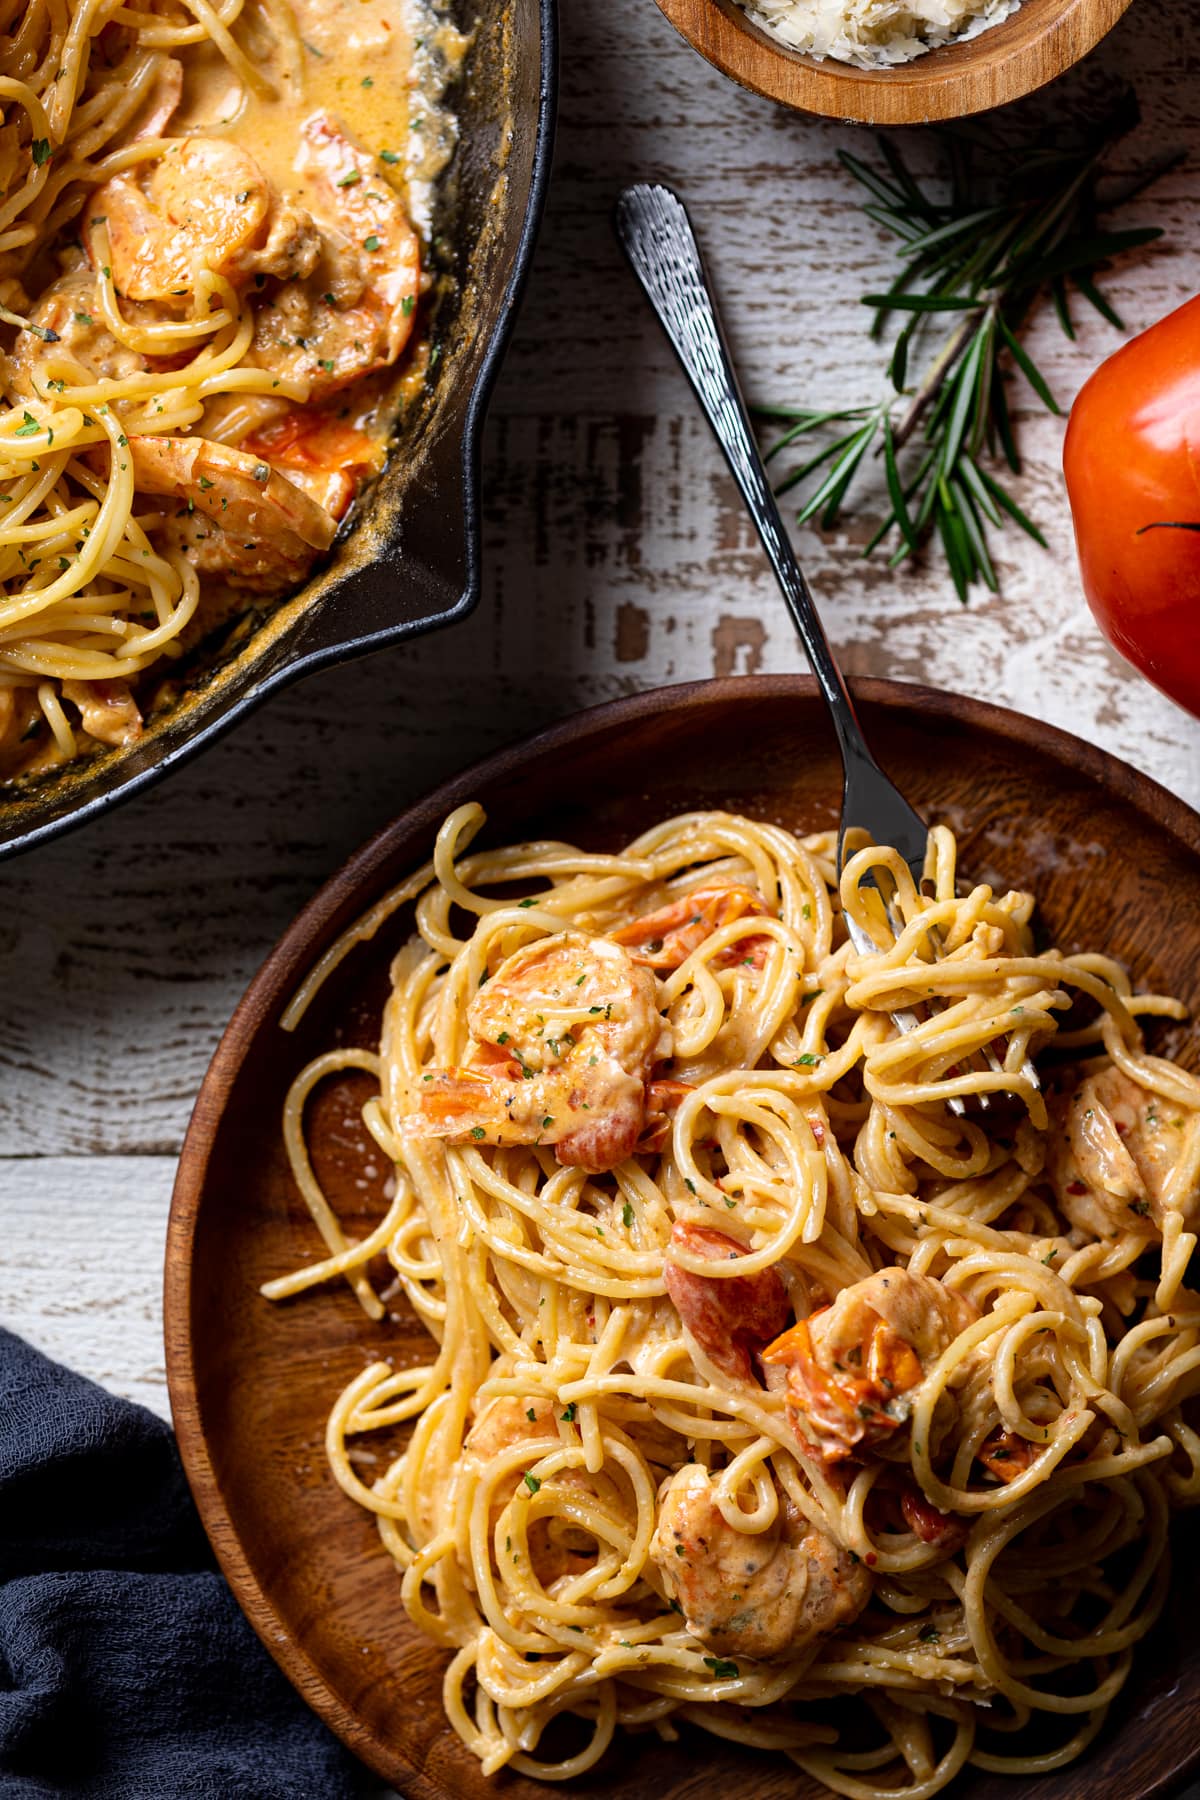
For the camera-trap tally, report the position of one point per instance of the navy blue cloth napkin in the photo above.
(126, 1670)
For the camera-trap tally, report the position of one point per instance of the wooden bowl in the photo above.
(1037, 43)
(1116, 863)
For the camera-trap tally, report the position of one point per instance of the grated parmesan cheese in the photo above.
(875, 33)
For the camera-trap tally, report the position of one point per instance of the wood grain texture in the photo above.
(83, 1259)
(1026, 51)
(252, 1383)
(615, 558)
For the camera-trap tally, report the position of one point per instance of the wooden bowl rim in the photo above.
(952, 82)
(294, 954)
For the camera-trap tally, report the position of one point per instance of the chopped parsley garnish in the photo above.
(478, 1133)
(526, 902)
(569, 1416)
(30, 428)
(83, 318)
(531, 1415)
(388, 156)
(371, 243)
(808, 1060)
(532, 1483)
(349, 178)
(627, 1216)
(41, 151)
(407, 304)
(721, 1667)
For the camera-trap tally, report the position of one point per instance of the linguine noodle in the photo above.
(985, 1538)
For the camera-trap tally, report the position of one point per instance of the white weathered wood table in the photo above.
(616, 558)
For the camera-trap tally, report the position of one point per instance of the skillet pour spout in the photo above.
(410, 559)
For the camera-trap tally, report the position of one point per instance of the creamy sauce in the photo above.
(381, 69)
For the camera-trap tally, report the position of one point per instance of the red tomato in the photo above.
(1130, 459)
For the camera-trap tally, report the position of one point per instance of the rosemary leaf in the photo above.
(974, 532)
(1094, 297)
(1028, 367)
(1003, 498)
(1016, 219)
(921, 302)
(895, 488)
(974, 481)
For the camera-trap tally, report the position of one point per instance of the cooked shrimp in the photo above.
(564, 1036)
(107, 710)
(665, 938)
(70, 310)
(556, 1548)
(355, 313)
(731, 1317)
(239, 518)
(852, 1367)
(329, 459)
(1121, 1156)
(203, 204)
(760, 1594)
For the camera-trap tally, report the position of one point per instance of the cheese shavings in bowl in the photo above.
(875, 33)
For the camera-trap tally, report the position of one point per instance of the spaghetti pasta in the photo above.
(766, 1394)
(204, 271)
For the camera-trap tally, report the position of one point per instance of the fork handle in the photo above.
(656, 235)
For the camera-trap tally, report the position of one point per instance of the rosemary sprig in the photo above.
(1019, 220)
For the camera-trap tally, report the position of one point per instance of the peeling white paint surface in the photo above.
(616, 558)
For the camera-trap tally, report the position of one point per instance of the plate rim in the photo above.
(279, 971)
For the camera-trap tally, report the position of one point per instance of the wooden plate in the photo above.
(1116, 864)
(1034, 45)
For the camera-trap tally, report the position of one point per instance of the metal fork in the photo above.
(656, 235)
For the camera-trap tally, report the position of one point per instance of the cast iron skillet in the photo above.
(410, 560)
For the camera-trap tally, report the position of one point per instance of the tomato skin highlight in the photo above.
(1132, 465)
